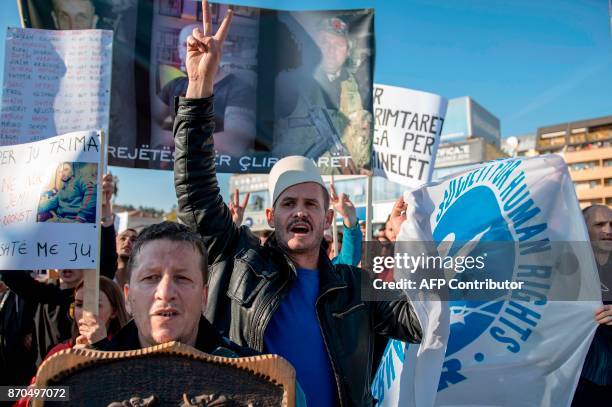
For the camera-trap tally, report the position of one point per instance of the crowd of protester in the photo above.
(201, 281)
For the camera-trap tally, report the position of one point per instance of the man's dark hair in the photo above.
(173, 232)
(128, 229)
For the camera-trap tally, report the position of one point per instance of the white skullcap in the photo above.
(291, 171)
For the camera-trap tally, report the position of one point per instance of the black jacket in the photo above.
(51, 304)
(208, 340)
(248, 281)
(16, 359)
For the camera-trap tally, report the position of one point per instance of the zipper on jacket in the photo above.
(331, 359)
(255, 338)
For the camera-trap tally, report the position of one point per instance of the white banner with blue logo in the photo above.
(523, 349)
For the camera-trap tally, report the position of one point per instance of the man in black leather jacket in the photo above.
(253, 289)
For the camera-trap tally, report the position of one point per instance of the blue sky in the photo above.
(530, 63)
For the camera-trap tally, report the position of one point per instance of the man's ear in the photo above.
(126, 294)
(329, 218)
(270, 217)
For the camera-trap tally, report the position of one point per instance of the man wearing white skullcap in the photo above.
(285, 297)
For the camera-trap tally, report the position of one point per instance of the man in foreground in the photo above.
(284, 297)
(166, 293)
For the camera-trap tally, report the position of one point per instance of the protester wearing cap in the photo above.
(284, 297)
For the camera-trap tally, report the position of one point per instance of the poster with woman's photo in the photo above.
(50, 203)
(288, 82)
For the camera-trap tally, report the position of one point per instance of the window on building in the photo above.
(607, 163)
(167, 47)
(581, 185)
(600, 133)
(578, 138)
(557, 141)
(171, 8)
(551, 142)
(585, 165)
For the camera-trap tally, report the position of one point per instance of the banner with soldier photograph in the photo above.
(289, 82)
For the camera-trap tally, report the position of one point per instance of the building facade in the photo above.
(586, 146)
(456, 156)
(465, 118)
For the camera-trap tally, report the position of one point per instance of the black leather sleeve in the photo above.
(200, 205)
(397, 320)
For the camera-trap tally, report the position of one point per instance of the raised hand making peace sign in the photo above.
(204, 53)
(236, 209)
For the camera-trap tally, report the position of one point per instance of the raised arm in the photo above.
(108, 246)
(397, 319)
(200, 205)
(351, 243)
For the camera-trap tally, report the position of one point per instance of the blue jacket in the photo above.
(350, 254)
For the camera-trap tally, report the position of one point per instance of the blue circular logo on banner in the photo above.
(476, 217)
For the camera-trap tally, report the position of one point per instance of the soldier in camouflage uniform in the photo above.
(331, 103)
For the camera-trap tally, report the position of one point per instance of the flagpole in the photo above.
(369, 208)
(334, 227)
(91, 281)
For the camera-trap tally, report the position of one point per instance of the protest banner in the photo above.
(49, 203)
(407, 128)
(534, 338)
(55, 82)
(289, 83)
